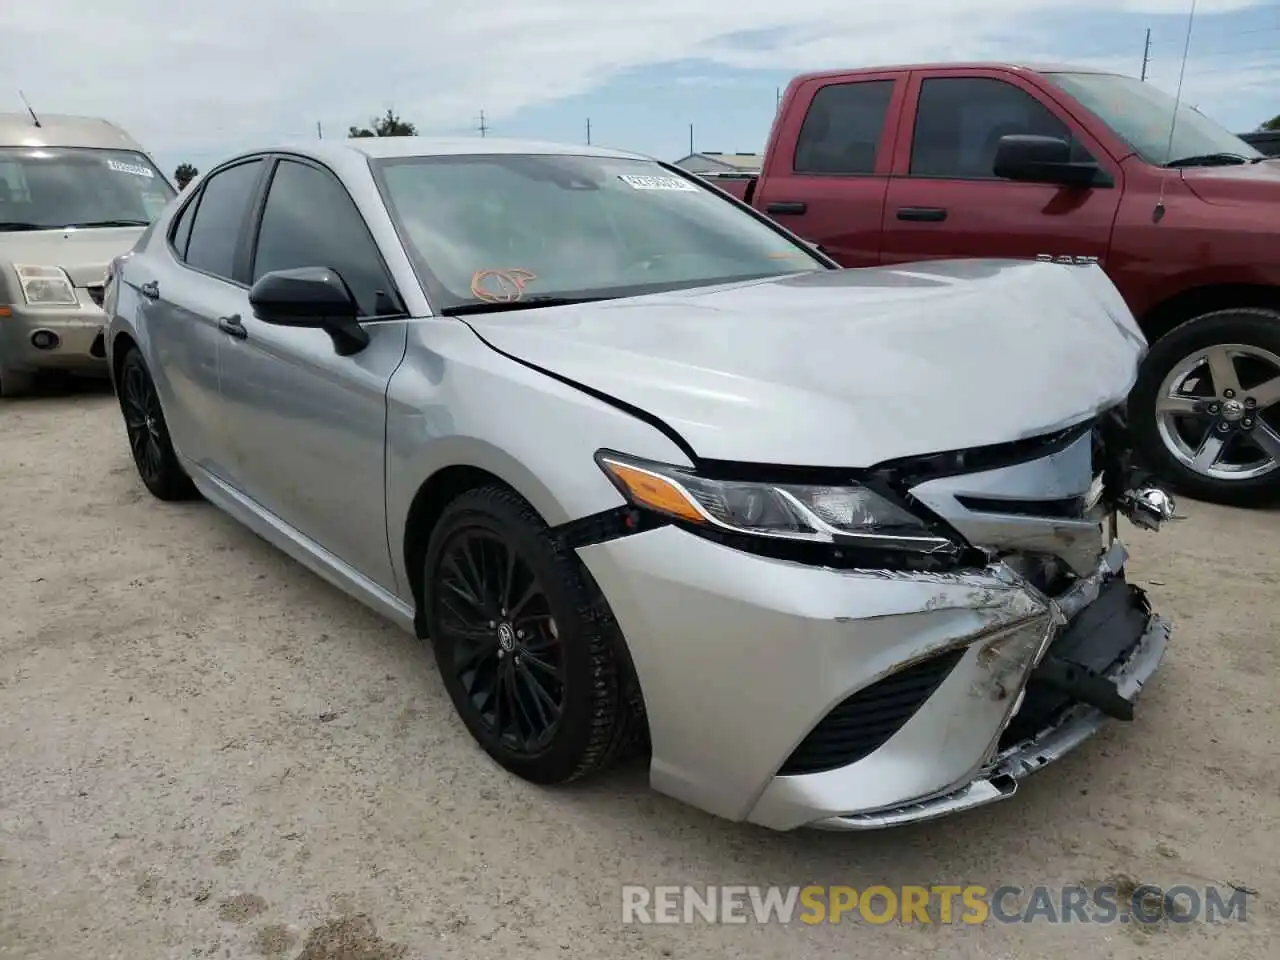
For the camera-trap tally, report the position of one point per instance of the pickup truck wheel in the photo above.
(523, 641)
(1206, 407)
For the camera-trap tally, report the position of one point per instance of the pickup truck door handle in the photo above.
(232, 326)
(150, 290)
(787, 206)
(923, 214)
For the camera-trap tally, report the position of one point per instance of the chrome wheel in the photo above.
(1218, 412)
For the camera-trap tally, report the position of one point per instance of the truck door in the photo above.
(831, 188)
(944, 200)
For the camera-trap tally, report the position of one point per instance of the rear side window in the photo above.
(844, 127)
(215, 231)
(960, 120)
(181, 231)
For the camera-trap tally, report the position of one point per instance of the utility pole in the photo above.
(588, 131)
(1146, 54)
(778, 106)
(484, 127)
(691, 138)
(319, 131)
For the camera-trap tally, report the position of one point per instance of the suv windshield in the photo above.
(543, 228)
(1141, 114)
(47, 188)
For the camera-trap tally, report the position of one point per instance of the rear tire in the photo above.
(1205, 411)
(524, 643)
(149, 442)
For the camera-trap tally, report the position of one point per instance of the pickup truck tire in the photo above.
(1194, 415)
(524, 642)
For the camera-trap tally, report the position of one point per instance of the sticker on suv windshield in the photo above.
(136, 169)
(656, 183)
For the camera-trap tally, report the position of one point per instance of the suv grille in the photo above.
(864, 722)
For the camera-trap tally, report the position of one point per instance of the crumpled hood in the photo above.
(84, 254)
(1251, 184)
(852, 367)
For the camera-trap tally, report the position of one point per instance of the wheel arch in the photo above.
(1177, 309)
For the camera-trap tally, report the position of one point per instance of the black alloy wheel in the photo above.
(148, 434)
(526, 646)
(505, 647)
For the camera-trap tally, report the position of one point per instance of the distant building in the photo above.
(713, 161)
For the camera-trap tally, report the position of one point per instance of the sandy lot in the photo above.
(207, 751)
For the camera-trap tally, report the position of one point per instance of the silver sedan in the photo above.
(833, 547)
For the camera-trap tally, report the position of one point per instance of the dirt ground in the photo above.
(207, 751)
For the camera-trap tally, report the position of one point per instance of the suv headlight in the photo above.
(849, 515)
(46, 285)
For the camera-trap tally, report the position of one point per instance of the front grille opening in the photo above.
(862, 723)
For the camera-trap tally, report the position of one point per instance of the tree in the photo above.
(389, 125)
(185, 174)
(1272, 124)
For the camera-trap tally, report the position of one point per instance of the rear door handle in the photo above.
(150, 290)
(923, 214)
(787, 206)
(232, 326)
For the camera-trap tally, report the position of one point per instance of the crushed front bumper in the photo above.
(741, 658)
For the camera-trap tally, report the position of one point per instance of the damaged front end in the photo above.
(1044, 512)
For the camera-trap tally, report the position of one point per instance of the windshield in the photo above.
(48, 188)
(524, 228)
(1141, 114)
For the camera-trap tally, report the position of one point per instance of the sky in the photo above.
(219, 77)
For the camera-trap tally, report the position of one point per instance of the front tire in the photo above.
(149, 442)
(524, 644)
(1205, 410)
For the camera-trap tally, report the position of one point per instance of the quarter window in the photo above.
(844, 127)
(182, 227)
(960, 120)
(311, 221)
(215, 232)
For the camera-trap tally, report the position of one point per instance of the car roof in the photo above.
(1031, 67)
(63, 130)
(341, 151)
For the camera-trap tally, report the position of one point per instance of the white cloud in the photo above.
(236, 72)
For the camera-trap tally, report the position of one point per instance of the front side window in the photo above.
(51, 188)
(960, 120)
(311, 221)
(1142, 115)
(843, 129)
(219, 218)
(485, 228)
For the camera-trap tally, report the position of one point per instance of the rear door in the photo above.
(943, 199)
(183, 294)
(309, 425)
(830, 188)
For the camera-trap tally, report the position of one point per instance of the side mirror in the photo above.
(1033, 159)
(310, 297)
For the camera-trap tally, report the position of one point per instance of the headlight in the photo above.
(46, 285)
(845, 515)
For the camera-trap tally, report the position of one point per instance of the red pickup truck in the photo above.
(899, 164)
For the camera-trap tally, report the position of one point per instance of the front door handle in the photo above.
(923, 214)
(787, 206)
(233, 327)
(150, 290)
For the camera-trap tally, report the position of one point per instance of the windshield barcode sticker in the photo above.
(656, 183)
(133, 168)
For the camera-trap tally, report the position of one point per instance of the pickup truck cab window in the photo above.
(844, 128)
(960, 120)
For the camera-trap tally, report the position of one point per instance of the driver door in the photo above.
(307, 426)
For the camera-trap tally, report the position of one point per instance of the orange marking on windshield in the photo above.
(500, 286)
